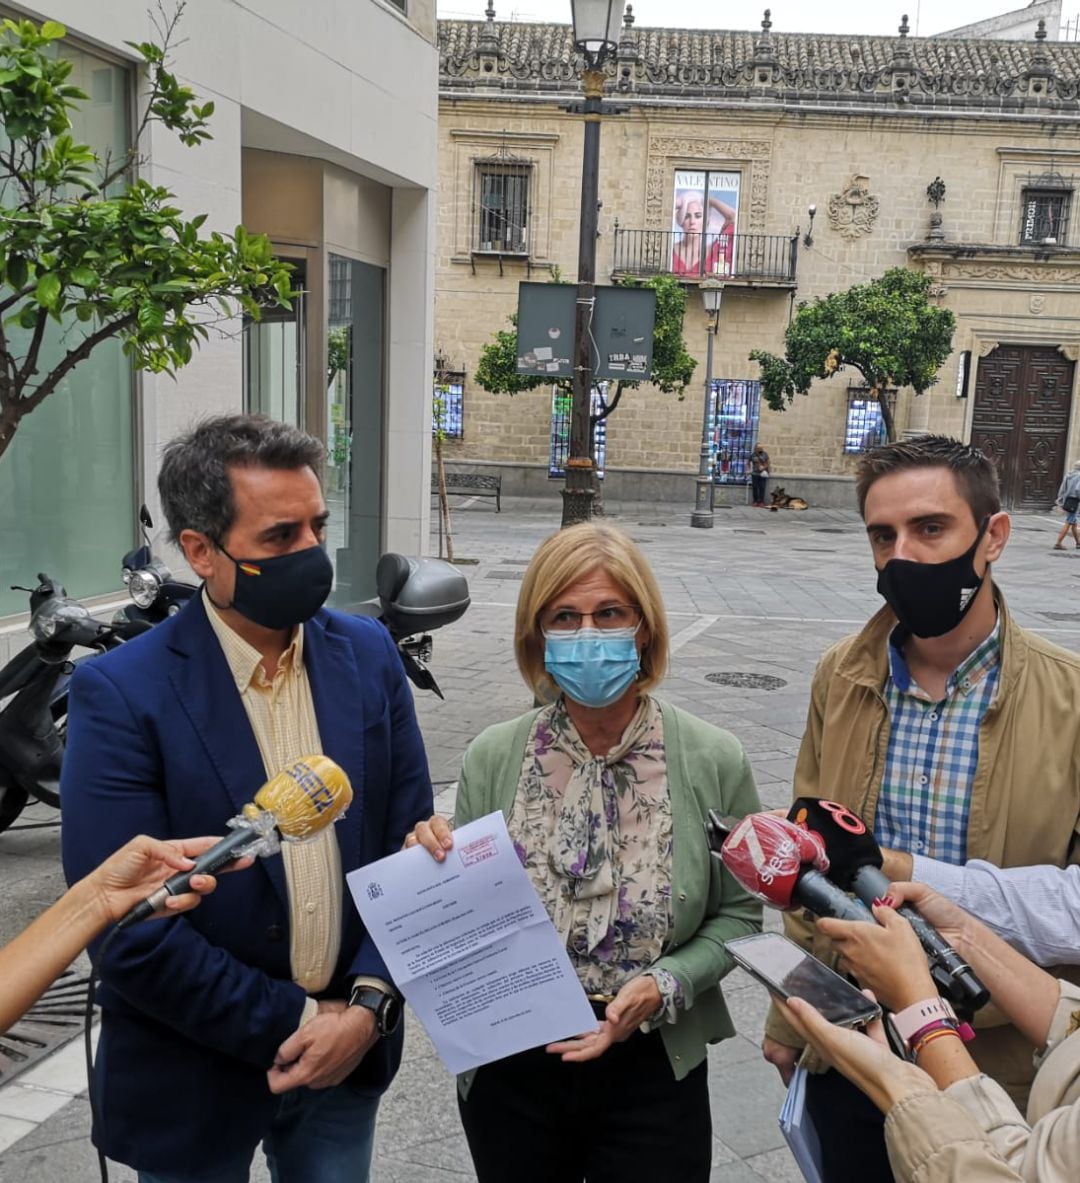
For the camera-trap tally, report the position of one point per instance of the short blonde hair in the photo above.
(561, 561)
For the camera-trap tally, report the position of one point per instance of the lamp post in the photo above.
(596, 34)
(712, 291)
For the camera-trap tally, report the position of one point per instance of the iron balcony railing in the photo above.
(761, 258)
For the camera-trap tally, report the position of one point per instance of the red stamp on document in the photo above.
(478, 851)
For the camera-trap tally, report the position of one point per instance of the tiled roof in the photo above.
(795, 67)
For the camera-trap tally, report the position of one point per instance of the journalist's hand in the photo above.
(864, 1059)
(885, 957)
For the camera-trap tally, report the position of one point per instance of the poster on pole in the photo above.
(622, 328)
(545, 338)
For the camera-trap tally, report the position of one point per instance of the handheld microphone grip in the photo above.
(822, 897)
(298, 803)
(228, 850)
(952, 975)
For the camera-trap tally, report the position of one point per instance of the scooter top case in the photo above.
(419, 595)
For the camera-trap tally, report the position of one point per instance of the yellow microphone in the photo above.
(298, 803)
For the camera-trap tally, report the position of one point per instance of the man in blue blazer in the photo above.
(267, 1015)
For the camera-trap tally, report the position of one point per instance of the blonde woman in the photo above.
(605, 792)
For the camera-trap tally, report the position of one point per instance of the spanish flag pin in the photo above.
(249, 568)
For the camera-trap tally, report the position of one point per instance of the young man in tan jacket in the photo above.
(948, 728)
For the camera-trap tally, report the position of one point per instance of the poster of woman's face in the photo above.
(705, 213)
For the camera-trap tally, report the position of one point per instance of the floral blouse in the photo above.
(595, 835)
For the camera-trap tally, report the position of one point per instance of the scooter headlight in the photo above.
(44, 625)
(144, 586)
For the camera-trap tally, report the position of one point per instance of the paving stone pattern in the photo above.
(759, 594)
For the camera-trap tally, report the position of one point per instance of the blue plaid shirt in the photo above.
(933, 753)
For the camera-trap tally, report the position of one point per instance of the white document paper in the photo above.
(798, 1129)
(469, 944)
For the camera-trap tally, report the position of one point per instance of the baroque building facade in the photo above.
(956, 157)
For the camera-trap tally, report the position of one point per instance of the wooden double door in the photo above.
(1021, 420)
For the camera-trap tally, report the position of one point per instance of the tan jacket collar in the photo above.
(866, 661)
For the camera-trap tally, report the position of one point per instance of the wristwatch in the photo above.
(384, 1005)
(907, 1023)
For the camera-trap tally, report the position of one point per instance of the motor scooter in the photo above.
(33, 688)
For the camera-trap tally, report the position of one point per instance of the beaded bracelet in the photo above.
(937, 1033)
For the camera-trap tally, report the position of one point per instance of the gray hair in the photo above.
(194, 483)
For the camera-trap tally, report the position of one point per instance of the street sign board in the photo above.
(545, 340)
(622, 329)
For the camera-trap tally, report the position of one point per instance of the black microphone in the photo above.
(855, 861)
(774, 861)
(297, 803)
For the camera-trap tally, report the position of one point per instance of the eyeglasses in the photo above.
(612, 616)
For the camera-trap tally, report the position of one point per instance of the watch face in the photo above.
(389, 1015)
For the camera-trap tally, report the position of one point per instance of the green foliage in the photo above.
(496, 371)
(886, 329)
(673, 367)
(337, 352)
(99, 253)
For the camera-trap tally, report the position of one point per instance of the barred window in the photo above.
(501, 221)
(447, 411)
(561, 406)
(1045, 217)
(865, 427)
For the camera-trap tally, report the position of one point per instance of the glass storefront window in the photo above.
(355, 416)
(67, 481)
(274, 358)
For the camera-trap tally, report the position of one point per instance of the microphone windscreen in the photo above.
(766, 854)
(848, 842)
(306, 797)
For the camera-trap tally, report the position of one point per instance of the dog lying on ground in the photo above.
(780, 500)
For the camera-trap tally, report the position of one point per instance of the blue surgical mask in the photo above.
(593, 666)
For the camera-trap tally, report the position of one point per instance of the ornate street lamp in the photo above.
(712, 292)
(596, 34)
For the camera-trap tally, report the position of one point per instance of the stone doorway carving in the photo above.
(1021, 420)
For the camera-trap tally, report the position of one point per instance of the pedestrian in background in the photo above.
(759, 473)
(1069, 499)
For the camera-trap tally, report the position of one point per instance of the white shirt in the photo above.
(1035, 909)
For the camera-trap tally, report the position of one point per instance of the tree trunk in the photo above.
(886, 413)
(444, 504)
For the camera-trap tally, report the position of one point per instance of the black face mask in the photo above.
(930, 599)
(284, 591)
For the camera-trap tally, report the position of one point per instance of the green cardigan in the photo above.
(706, 769)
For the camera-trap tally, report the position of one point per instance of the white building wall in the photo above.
(348, 81)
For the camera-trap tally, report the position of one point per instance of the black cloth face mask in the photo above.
(930, 599)
(283, 591)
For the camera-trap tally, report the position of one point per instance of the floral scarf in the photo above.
(595, 835)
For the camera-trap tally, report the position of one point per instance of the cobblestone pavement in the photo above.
(761, 593)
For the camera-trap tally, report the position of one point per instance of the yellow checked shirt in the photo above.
(282, 716)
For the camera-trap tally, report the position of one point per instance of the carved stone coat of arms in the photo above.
(853, 212)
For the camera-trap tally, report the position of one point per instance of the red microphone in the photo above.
(783, 865)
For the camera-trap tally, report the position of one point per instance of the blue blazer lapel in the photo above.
(338, 693)
(207, 692)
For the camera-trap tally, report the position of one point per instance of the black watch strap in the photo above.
(385, 1006)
